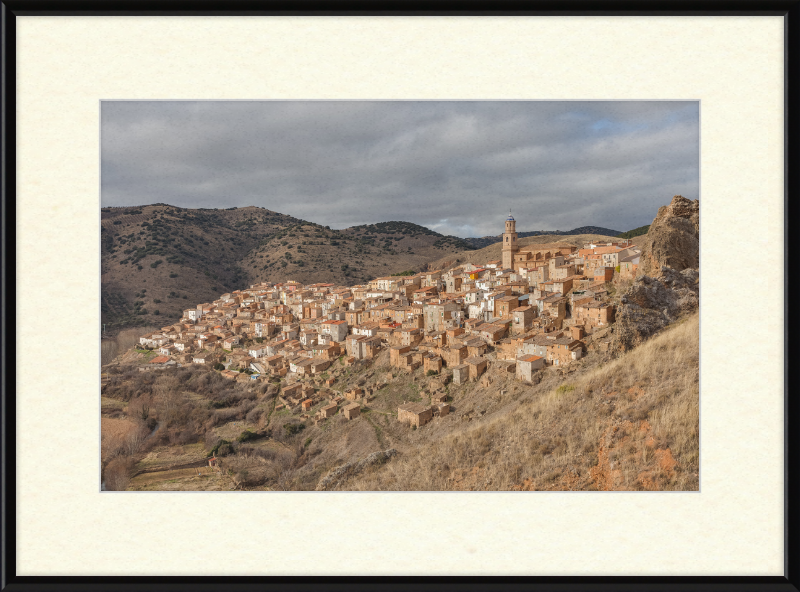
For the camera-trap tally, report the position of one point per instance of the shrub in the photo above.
(293, 428)
(156, 263)
(432, 372)
(156, 312)
(117, 474)
(173, 275)
(247, 435)
(222, 448)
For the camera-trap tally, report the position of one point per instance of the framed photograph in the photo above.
(382, 299)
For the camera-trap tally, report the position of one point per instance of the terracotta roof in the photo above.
(529, 358)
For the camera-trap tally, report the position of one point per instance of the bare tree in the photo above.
(168, 396)
(117, 474)
(134, 440)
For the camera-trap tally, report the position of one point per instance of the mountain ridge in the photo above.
(158, 258)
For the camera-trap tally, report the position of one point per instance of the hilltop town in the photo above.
(534, 308)
(285, 385)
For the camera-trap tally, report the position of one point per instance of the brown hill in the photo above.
(310, 253)
(157, 260)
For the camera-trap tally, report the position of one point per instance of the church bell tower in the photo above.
(510, 242)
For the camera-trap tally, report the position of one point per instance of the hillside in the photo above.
(156, 260)
(622, 416)
(629, 423)
(635, 232)
(309, 253)
(485, 241)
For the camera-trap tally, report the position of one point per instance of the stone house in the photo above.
(352, 410)
(438, 397)
(354, 393)
(292, 391)
(329, 351)
(353, 346)
(370, 347)
(337, 330)
(492, 333)
(522, 319)
(503, 306)
(628, 266)
(204, 358)
(257, 351)
(229, 342)
(563, 271)
(555, 305)
(564, 350)
(454, 354)
(527, 365)
(397, 354)
(435, 315)
(576, 331)
(563, 286)
(415, 414)
(328, 411)
(460, 374)
(603, 274)
(301, 366)
(595, 314)
(309, 338)
(319, 365)
(409, 337)
(536, 345)
(355, 317)
(431, 362)
(183, 346)
(477, 366)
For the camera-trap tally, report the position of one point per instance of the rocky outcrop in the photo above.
(652, 303)
(673, 239)
(668, 282)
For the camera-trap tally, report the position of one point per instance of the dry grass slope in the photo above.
(632, 424)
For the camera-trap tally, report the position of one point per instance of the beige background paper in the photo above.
(66, 65)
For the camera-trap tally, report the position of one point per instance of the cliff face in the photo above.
(652, 303)
(673, 239)
(668, 282)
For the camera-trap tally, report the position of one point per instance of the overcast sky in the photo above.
(455, 167)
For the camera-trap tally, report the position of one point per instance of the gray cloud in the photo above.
(457, 167)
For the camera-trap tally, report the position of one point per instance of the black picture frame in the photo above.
(790, 10)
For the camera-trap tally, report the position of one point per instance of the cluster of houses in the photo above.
(532, 309)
